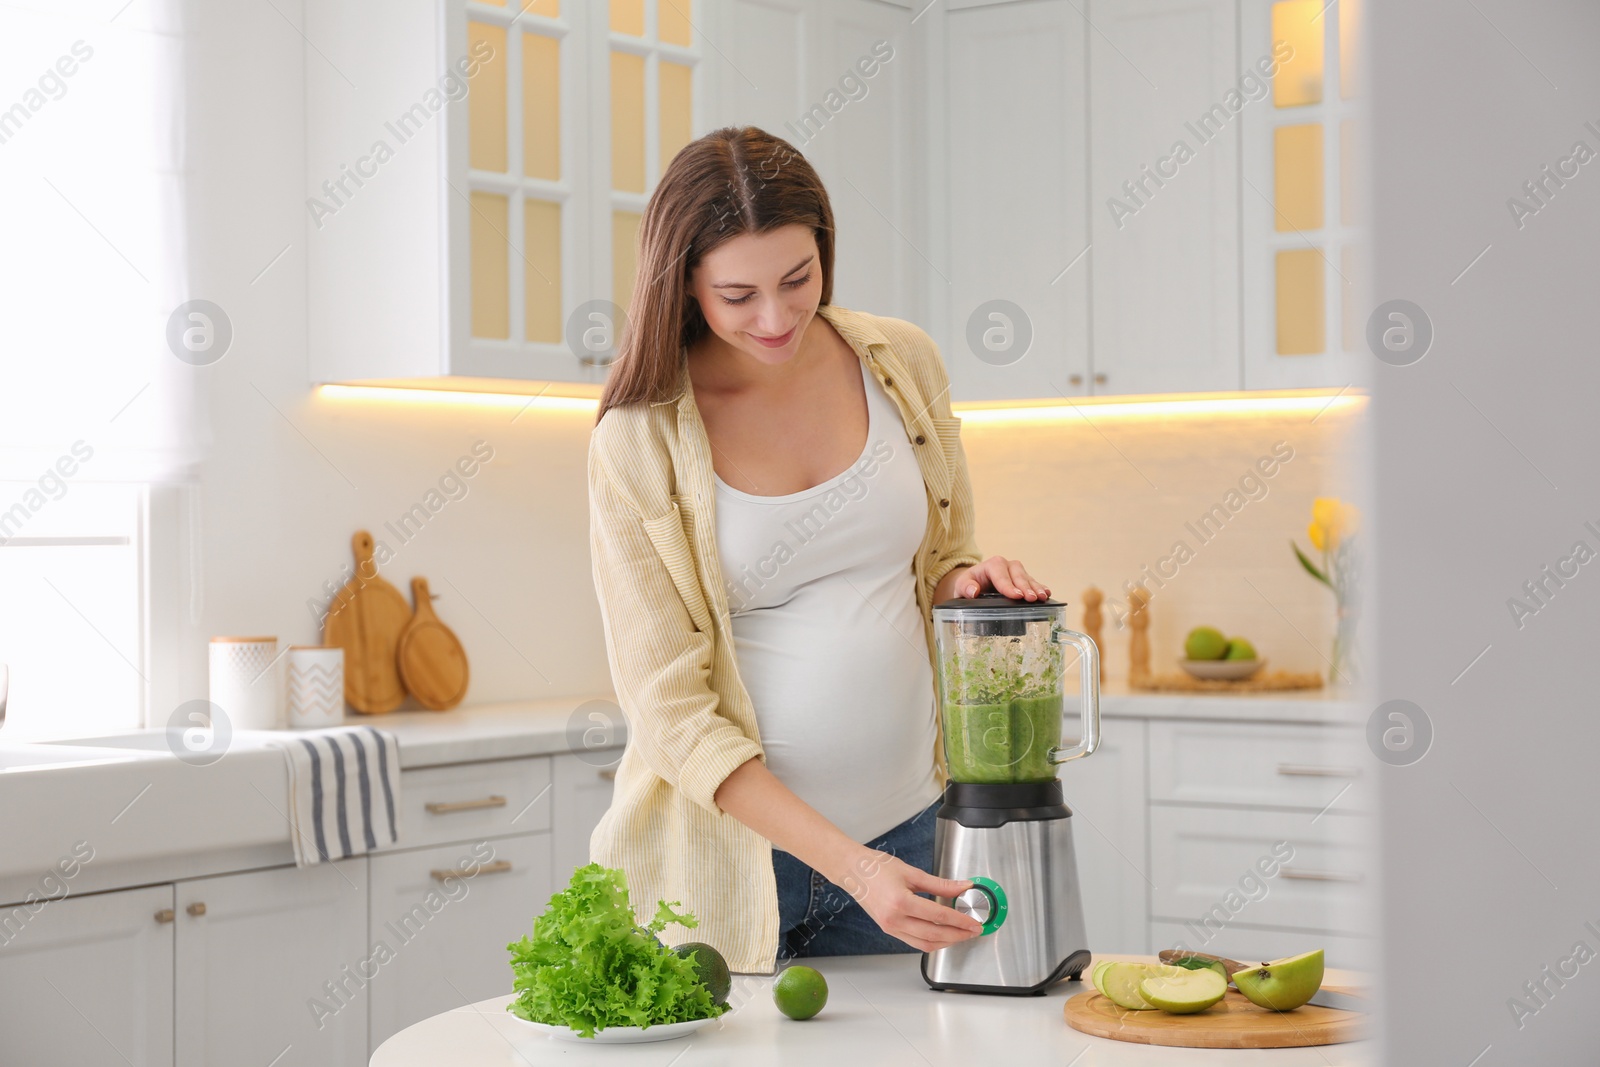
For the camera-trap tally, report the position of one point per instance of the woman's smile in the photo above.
(775, 342)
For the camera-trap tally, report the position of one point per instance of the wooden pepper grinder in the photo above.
(1139, 640)
(1092, 618)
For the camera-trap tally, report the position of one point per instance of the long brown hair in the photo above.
(731, 181)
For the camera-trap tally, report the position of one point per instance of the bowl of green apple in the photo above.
(1213, 657)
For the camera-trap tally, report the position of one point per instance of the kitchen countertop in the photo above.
(542, 727)
(879, 1011)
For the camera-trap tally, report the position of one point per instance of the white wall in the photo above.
(1486, 475)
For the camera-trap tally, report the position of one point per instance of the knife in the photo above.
(1324, 998)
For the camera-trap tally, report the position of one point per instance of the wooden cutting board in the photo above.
(432, 662)
(1234, 1022)
(366, 620)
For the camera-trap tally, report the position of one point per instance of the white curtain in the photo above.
(92, 245)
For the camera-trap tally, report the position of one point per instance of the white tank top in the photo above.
(827, 634)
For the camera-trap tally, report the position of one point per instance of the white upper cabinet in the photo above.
(1303, 215)
(840, 82)
(475, 177)
(1073, 197)
(1164, 126)
(1008, 260)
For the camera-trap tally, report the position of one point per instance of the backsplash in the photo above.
(1197, 508)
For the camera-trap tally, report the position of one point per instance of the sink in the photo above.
(155, 740)
(29, 756)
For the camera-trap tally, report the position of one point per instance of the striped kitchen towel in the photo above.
(344, 792)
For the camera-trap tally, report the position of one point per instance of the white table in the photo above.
(879, 1011)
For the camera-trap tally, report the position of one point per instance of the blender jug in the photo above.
(1000, 689)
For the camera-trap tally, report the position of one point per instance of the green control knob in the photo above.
(985, 901)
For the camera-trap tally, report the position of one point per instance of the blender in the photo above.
(1004, 824)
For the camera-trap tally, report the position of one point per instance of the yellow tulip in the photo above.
(1325, 511)
(1314, 531)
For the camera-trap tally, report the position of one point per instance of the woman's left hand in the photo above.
(1003, 575)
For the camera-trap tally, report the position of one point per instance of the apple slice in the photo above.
(1282, 985)
(1094, 976)
(1120, 983)
(1186, 992)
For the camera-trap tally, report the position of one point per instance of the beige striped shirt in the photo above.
(669, 638)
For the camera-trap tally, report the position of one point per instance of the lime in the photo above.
(712, 967)
(800, 992)
(1185, 992)
(1239, 648)
(1205, 642)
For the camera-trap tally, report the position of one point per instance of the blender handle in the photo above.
(1089, 694)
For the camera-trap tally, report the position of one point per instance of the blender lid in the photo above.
(993, 605)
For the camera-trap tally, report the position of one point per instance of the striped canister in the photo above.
(244, 681)
(315, 686)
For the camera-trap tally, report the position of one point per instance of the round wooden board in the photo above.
(432, 662)
(1232, 1023)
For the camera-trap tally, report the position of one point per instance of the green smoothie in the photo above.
(1007, 742)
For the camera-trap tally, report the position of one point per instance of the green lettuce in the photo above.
(588, 963)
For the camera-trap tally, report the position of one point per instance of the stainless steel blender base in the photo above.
(1042, 939)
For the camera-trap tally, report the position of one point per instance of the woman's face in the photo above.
(759, 292)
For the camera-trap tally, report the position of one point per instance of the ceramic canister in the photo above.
(244, 681)
(314, 687)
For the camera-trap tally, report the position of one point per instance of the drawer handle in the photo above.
(609, 775)
(165, 915)
(1316, 876)
(437, 807)
(497, 867)
(1303, 770)
(197, 909)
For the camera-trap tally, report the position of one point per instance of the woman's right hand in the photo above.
(887, 888)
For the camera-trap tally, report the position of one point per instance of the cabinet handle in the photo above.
(497, 867)
(437, 807)
(1302, 770)
(1316, 876)
(1075, 379)
(165, 915)
(609, 774)
(197, 909)
(1099, 379)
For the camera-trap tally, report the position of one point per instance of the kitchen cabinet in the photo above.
(1009, 261)
(271, 967)
(841, 82)
(1164, 196)
(443, 917)
(1106, 793)
(584, 783)
(89, 980)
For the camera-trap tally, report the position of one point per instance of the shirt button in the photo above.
(944, 503)
(921, 440)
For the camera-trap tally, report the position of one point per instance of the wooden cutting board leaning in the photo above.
(388, 649)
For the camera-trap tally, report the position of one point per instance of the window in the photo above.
(71, 632)
(570, 122)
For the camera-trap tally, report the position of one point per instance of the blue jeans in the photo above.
(817, 918)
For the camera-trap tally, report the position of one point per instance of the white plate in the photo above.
(1223, 670)
(621, 1035)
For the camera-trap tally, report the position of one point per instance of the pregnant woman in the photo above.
(778, 497)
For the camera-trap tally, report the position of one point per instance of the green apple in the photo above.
(1094, 975)
(1282, 985)
(1185, 992)
(1120, 983)
(1205, 642)
(1200, 963)
(1239, 648)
